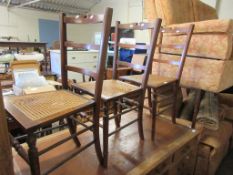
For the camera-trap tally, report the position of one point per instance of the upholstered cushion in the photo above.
(203, 12)
(201, 73)
(210, 26)
(171, 11)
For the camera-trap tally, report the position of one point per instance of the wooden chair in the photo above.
(38, 110)
(99, 75)
(125, 97)
(159, 83)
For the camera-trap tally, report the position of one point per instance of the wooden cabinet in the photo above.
(83, 59)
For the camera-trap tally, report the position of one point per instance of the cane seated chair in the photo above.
(159, 83)
(38, 110)
(124, 96)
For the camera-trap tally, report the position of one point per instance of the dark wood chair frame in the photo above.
(99, 75)
(132, 100)
(32, 157)
(153, 92)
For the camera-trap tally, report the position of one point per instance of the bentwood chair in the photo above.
(158, 85)
(124, 97)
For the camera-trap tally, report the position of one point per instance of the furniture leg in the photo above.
(73, 129)
(96, 135)
(149, 98)
(153, 114)
(174, 110)
(33, 154)
(105, 134)
(120, 108)
(115, 112)
(19, 149)
(196, 106)
(140, 115)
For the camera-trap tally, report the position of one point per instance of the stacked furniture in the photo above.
(209, 65)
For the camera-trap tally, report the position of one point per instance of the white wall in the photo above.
(225, 9)
(125, 11)
(22, 23)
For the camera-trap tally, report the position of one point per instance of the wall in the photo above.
(125, 11)
(22, 23)
(225, 9)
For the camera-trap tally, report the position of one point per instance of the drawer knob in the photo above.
(95, 56)
(73, 58)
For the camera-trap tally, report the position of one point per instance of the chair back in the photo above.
(154, 28)
(177, 47)
(105, 19)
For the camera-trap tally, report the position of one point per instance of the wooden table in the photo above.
(174, 145)
(38, 110)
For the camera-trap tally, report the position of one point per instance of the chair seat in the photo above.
(154, 81)
(111, 88)
(40, 109)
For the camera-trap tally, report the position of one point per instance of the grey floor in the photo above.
(226, 167)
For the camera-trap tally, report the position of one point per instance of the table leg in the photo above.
(33, 154)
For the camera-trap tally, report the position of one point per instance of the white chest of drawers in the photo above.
(83, 59)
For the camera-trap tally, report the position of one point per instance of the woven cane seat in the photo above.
(111, 88)
(36, 109)
(154, 81)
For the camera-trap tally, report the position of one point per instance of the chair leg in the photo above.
(115, 109)
(174, 110)
(33, 154)
(140, 116)
(73, 130)
(120, 108)
(96, 135)
(105, 135)
(153, 114)
(149, 99)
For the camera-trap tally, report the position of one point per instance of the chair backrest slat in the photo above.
(171, 46)
(132, 46)
(136, 26)
(84, 19)
(133, 66)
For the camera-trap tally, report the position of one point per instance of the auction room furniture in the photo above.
(159, 83)
(37, 110)
(6, 162)
(208, 66)
(84, 59)
(19, 44)
(121, 94)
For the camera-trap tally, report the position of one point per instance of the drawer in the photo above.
(82, 57)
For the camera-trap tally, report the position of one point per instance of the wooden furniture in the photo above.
(19, 44)
(6, 162)
(99, 75)
(38, 110)
(156, 82)
(175, 145)
(84, 59)
(124, 96)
